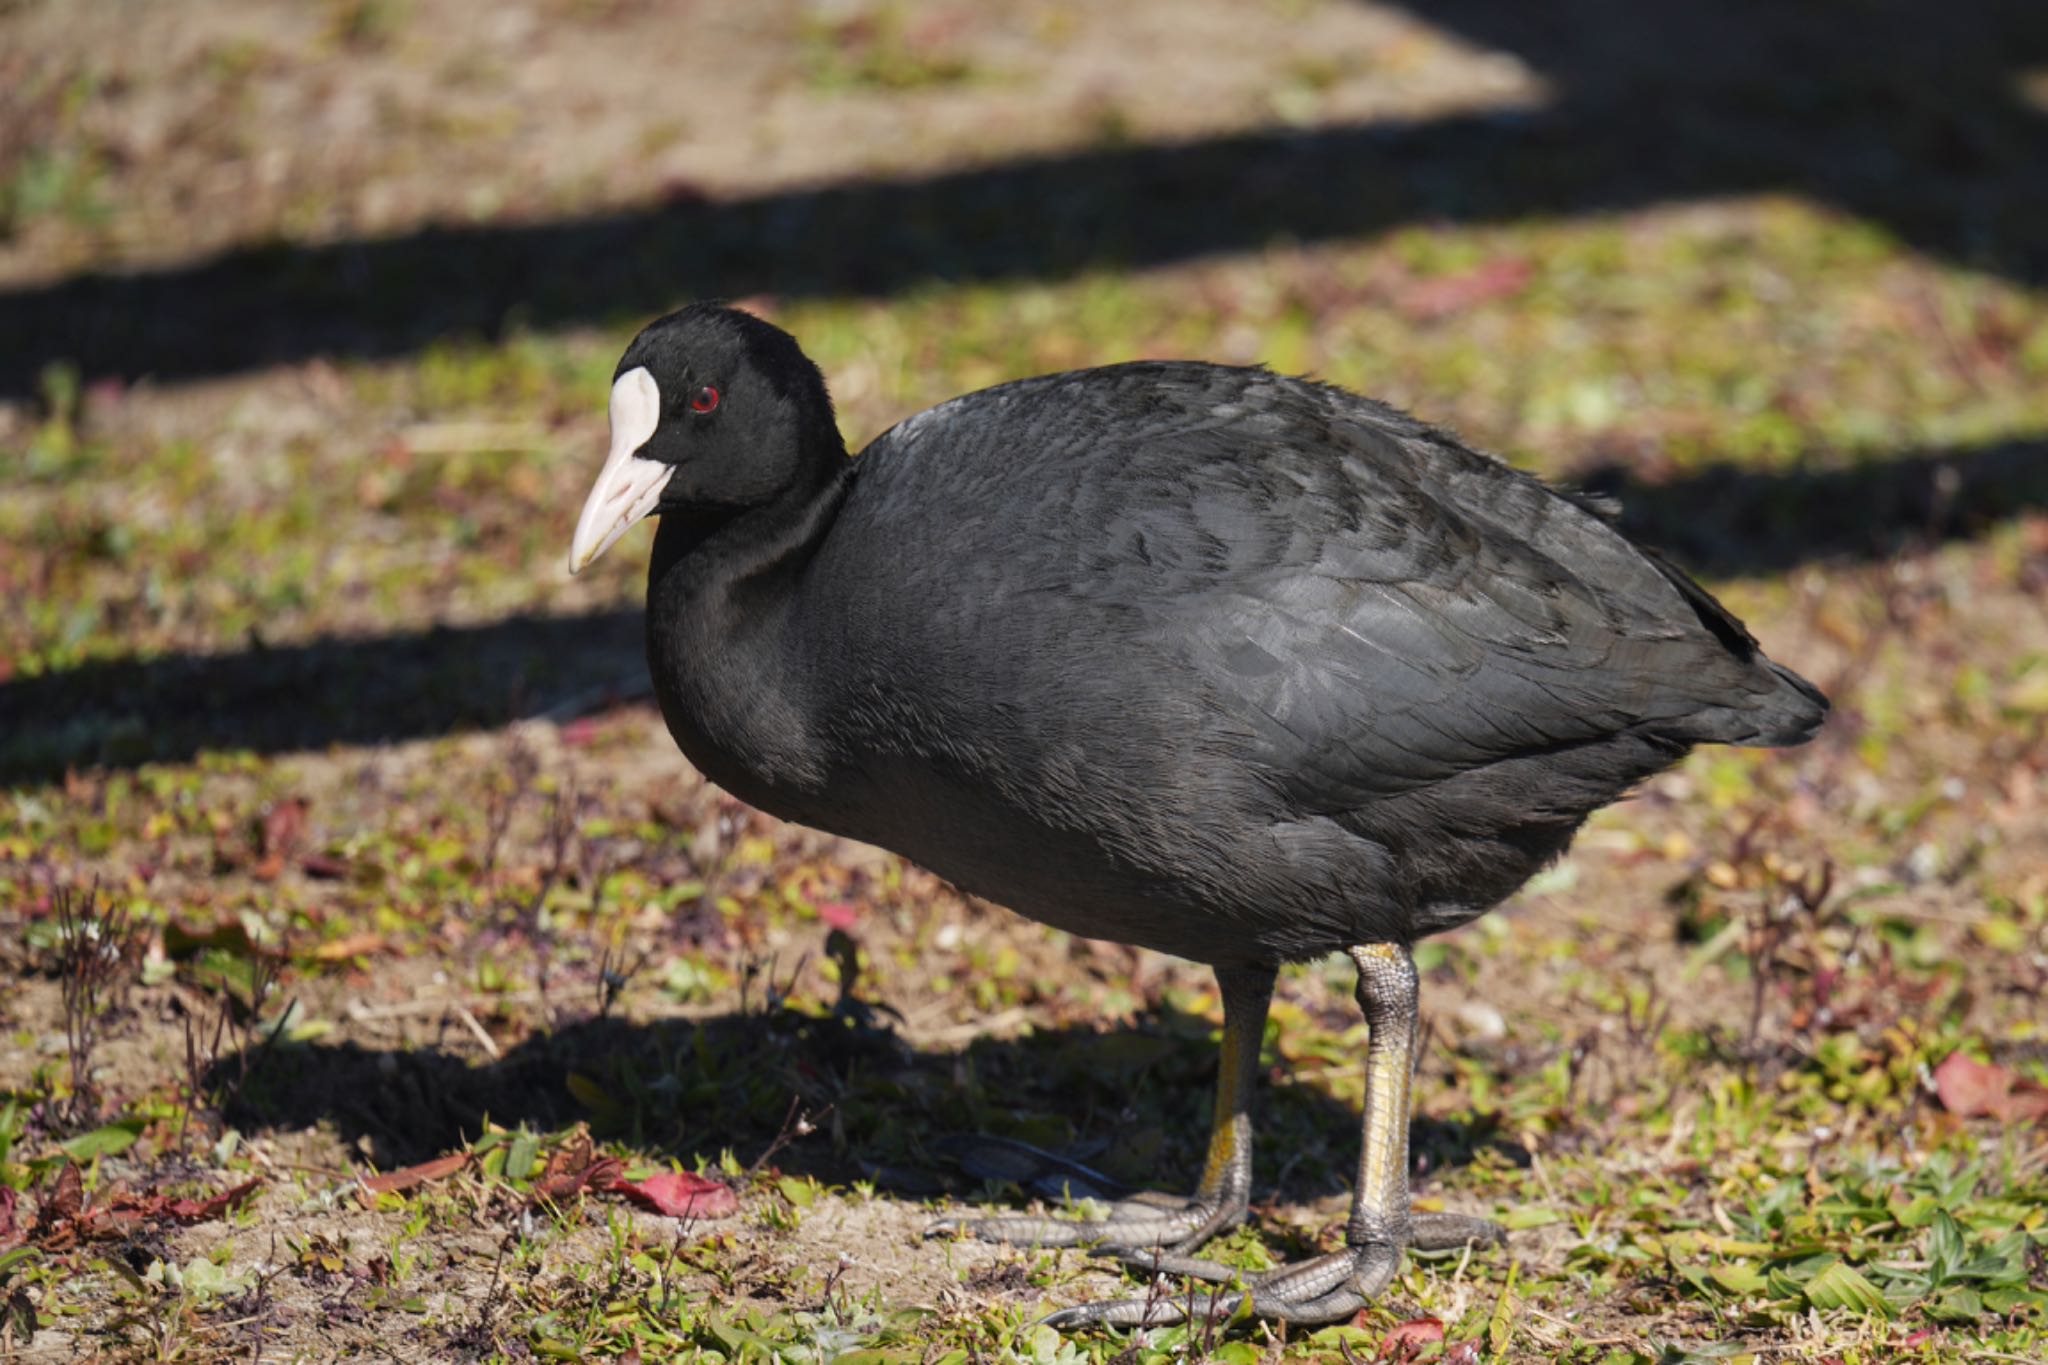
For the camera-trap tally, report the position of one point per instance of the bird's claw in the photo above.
(1132, 1227)
(1315, 1292)
(1310, 1293)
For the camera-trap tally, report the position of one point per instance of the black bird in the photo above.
(1243, 668)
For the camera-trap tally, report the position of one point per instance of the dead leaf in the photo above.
(355, 945)
(66, 1220)
(573, 1168)
(1973, 1089)
(1464, 1353)
(66, 1199)
(278, 836)
(1407, 1339)
(680, 1195)
(391, 1182)
(202, 1210)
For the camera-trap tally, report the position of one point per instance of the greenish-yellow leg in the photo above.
(1162, 1223)
(1332, 1287)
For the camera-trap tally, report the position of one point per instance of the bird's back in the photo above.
(1190, 614)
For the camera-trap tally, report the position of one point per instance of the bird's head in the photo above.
(712, 410)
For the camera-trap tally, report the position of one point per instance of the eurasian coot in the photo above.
(1238, 667)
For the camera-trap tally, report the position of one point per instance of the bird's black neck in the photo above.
(712, 557)
(723, 593)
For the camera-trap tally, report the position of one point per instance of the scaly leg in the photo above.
(1220, 1202)
(1330, 1288)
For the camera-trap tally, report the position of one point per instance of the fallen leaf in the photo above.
(1464, 1353)
(66, 1220)
(560, 1181)
(9, 1198)
(355, 945)
(391, 1182)
(1407, 1339)
(201, 1210)
(1974, 1089)
(278, 836)
(680, 1195)
(66, 1198)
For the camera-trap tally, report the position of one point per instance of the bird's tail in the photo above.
(1790, 715)
(1786, 710)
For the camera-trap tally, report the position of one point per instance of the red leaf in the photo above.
(440, 1168)
(558, 1184)
(1407, 1339)
(680, 1195)
(278, 837)
(839, 915)
(65, 1200)
(64, 1220)
(1974, 1089)
(202, 1210)
(8, 1199)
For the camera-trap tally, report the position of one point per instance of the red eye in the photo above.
(704, 399)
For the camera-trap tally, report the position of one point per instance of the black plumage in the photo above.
(1240, 667)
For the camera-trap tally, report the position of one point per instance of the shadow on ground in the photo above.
(1720, 520)
(1134, 1103)
(1908, 115)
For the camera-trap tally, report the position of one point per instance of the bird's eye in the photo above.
(704, 399)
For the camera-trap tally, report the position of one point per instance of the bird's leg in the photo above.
(1220, 1202)
(1329, 1288)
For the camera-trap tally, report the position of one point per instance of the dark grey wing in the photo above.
(1399, 609)
(1351, 603)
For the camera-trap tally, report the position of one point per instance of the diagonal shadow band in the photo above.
(726, 1082)
(1720, 520)
(1895, 113)
(1043, 218)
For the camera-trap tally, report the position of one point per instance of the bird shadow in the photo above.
(1912, 118)
(1133, 1102)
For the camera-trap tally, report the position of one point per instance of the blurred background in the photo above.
(307, 315)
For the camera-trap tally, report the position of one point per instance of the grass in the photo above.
(399, 889)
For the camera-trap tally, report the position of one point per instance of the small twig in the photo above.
(476, 1031)
(794, 1125)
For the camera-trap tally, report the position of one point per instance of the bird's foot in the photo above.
(1135, 1222)
(1323, 1290)
(1315, 1292)
(1143, 1224)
